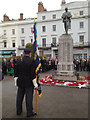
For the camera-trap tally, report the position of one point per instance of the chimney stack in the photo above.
(41, 7)
(63, 2)
(5, 18)
(21, 16)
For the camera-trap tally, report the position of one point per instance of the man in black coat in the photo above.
(4, 66)
(25, 74)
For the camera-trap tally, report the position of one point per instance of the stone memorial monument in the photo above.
(65, 68)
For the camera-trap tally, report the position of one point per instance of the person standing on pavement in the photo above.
(4, 66)
(11, 67)
(25, 77)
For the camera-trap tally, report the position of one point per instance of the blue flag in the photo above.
(37, 61)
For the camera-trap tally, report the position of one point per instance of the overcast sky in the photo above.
(28, 7)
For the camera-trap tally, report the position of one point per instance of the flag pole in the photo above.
(36, 99)
(36, 103)
(34, 20)
(36, 93)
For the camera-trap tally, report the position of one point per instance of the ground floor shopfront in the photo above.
(81, 53)
(53, 52)
(7, 53)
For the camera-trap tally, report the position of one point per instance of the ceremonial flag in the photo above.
(37, 61)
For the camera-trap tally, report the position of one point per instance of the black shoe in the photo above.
(19, 113)
(33, 114)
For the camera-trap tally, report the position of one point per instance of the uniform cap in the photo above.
(27, 50)
(66, 8)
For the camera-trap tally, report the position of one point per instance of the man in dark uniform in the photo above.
(25, 76)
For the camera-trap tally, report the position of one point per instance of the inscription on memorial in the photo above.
(61, 52)
(64, 51)
(68, 52)
(63, 67)
(69, 67)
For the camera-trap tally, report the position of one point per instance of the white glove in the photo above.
(15, 80)
(35, 83)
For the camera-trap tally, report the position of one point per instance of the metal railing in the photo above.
(21, 47)
(78, 44)
(47, 45)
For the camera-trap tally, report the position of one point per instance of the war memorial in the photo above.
(65, 68)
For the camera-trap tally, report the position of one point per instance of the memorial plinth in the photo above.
(65, 68)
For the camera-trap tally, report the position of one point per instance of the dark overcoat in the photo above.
(25, 71)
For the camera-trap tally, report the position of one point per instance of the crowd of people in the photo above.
(82, 64)
(48, 64)
(8, 66)
(79, 64)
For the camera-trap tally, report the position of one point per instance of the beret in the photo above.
(27, 50)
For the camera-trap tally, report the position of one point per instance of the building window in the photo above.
(81, 39)
(4, 32)
(13, 43)
(43, 17)
(32, 29)
(81, 24)
(41, 53)
(22, 30)
(54, 40)
(54, 16)
(53, 44)
(5, 44)
(13, 31)
(44, 42)
(43, 28)
(54, 27)
(81, 12)
(31, 40)
(22, 42)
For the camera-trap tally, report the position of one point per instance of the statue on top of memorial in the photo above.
(66, 20)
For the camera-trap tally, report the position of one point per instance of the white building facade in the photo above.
(9, 37)
(25, 34)
(15, 34)
(52, 24)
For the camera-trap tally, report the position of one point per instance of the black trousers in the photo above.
(28, 92)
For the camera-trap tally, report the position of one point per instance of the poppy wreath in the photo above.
(85, 83)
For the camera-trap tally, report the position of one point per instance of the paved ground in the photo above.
(56, 102)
